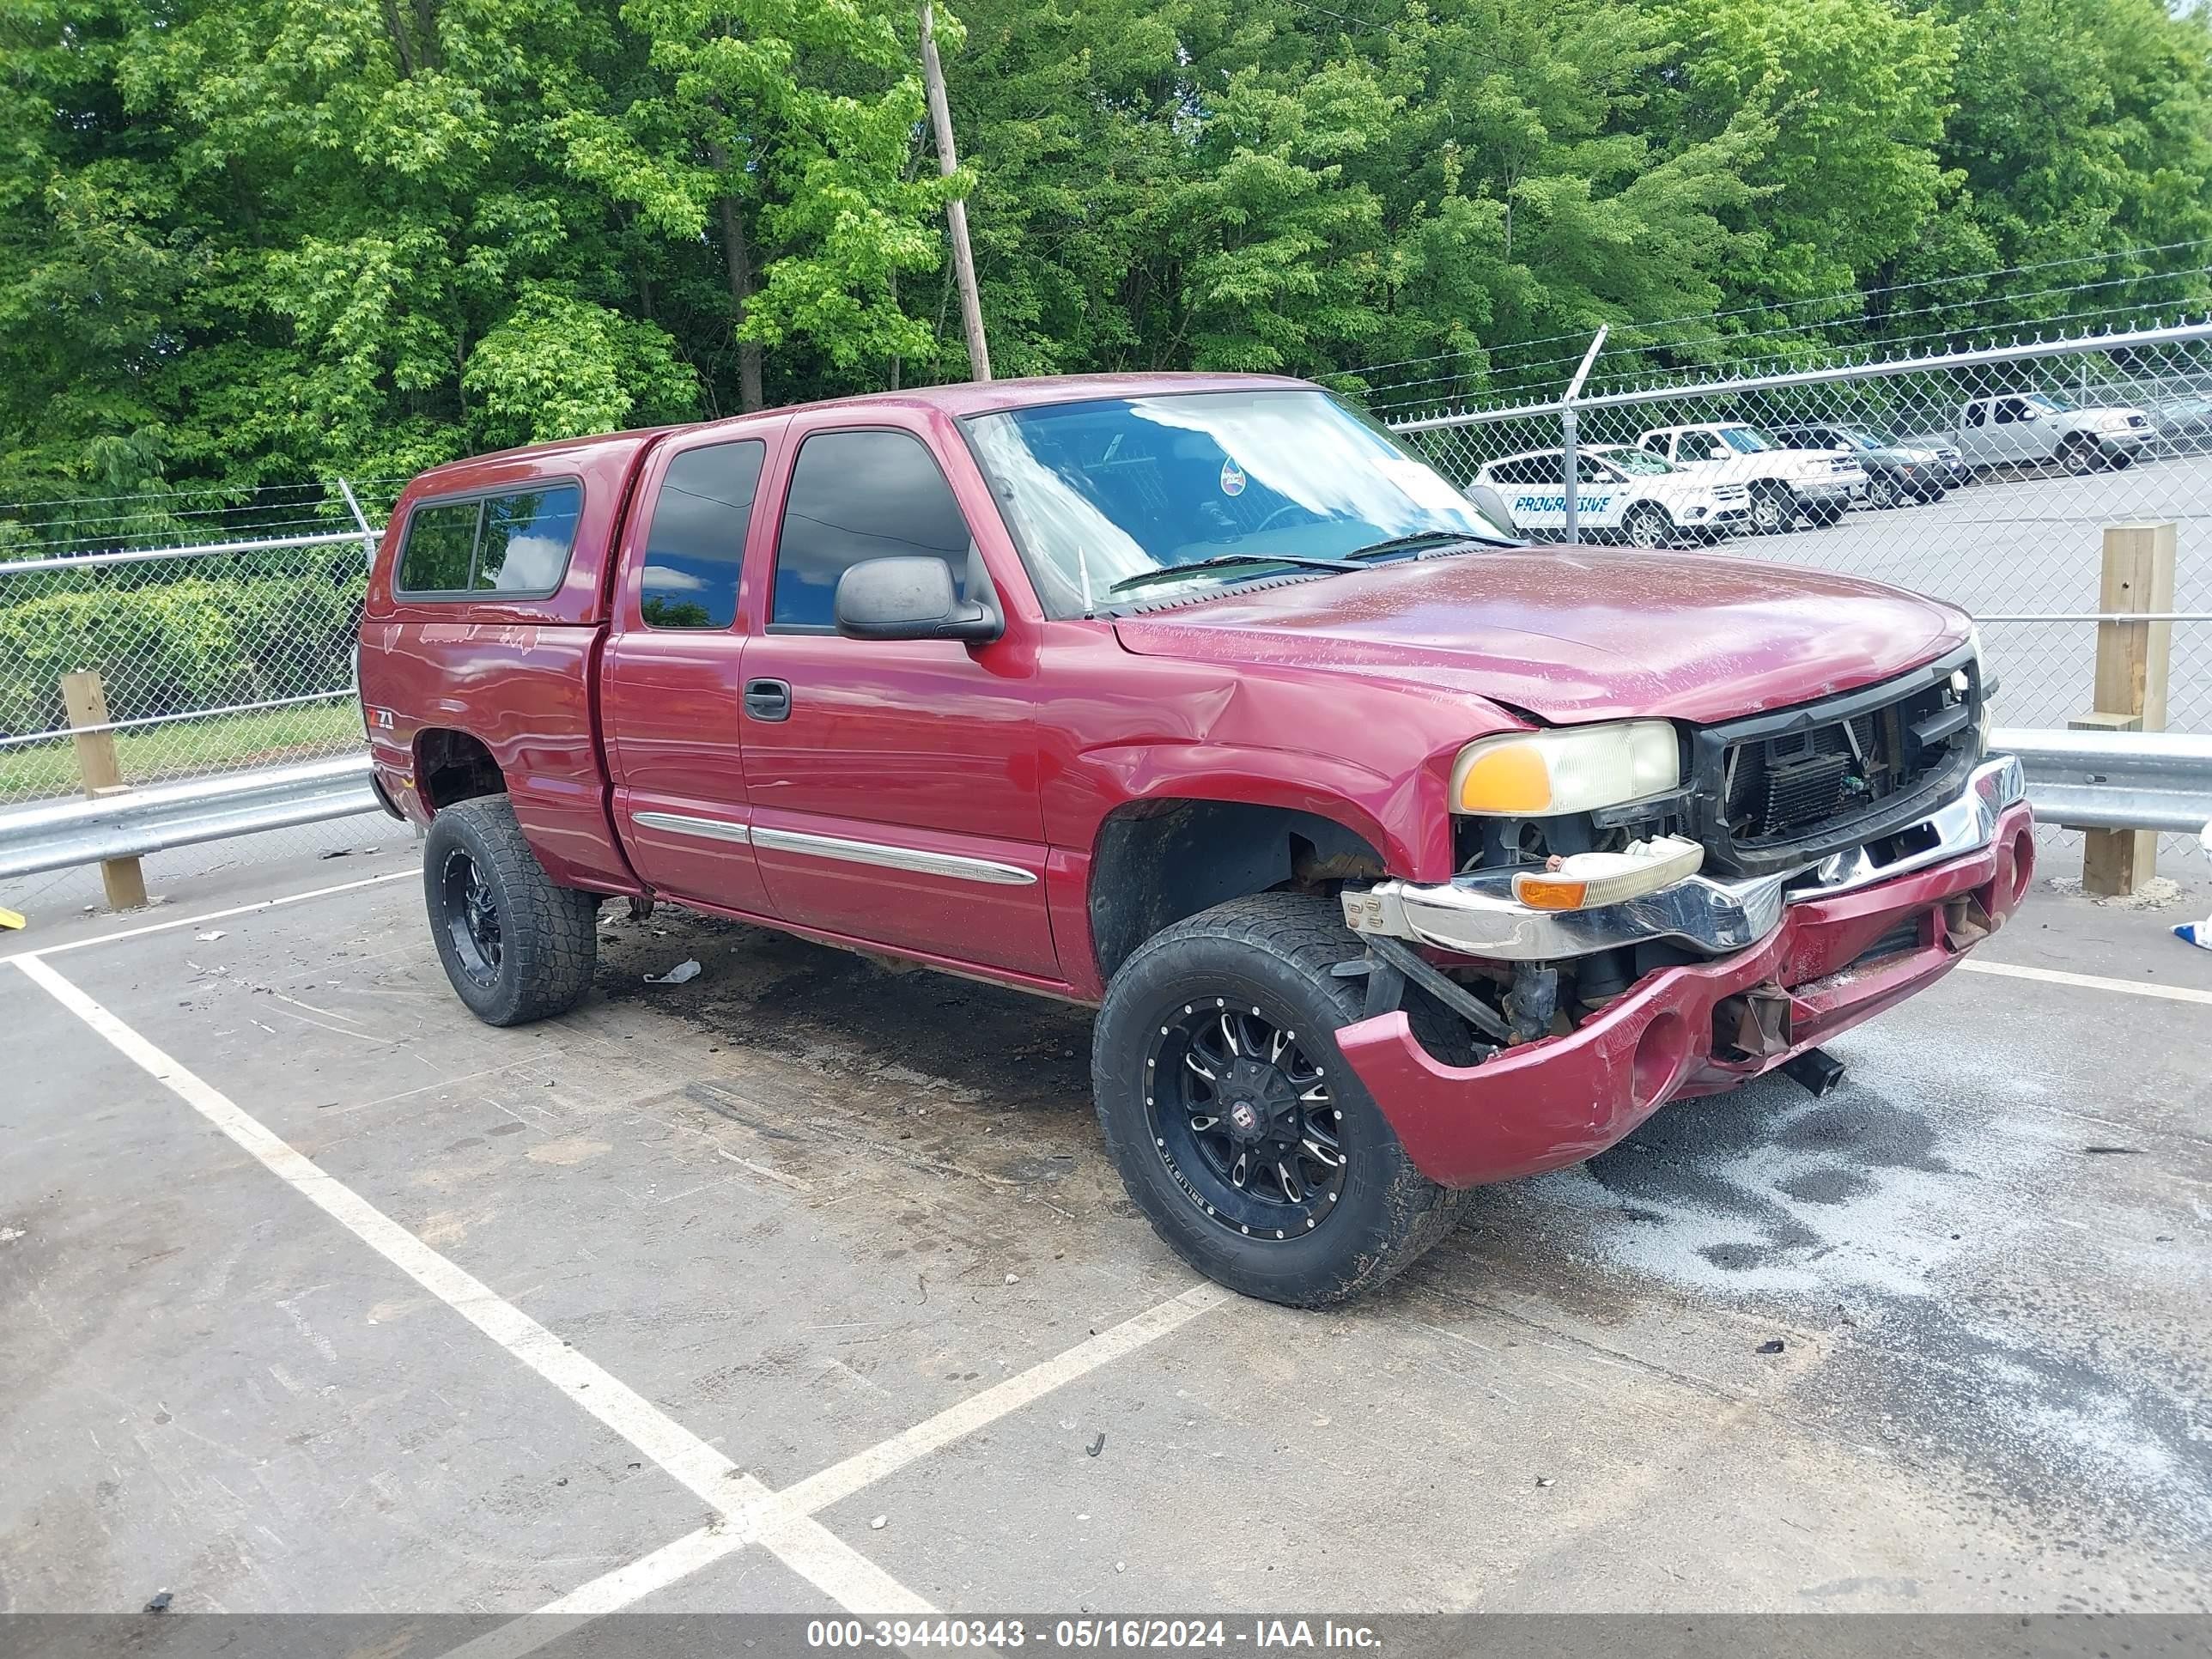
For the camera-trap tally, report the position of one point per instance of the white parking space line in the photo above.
(2090, 982)
(208, 916)
(805, 1545)
(627, 1585)
(840, 1481)
(782, 1524)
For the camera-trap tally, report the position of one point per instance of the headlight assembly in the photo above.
(1574, 769)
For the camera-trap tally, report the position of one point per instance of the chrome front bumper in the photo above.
(1477, 914)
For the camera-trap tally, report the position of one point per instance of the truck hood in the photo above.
(1572, 634)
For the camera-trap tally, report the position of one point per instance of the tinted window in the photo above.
(2010, 412)
(696, 545)
(440, 538)
(526, 537)
(858, 496)
(1974, 413)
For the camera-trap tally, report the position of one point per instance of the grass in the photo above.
(183, 749)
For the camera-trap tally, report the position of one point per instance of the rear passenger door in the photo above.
(671, 683)
(893, 784)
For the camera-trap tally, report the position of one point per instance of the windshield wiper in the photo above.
(1418, 541)
(1225, 562)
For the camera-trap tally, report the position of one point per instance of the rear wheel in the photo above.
(1238, 1129)
(1883, 491)
(1773, 508)
(515, 947)
(1648, 526)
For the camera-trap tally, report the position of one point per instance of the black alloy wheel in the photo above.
(471, 915)
(1244, 1121)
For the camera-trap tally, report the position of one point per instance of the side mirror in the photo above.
(909, 597)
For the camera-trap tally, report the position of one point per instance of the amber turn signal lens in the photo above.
(1510, 778)
(1549, 893)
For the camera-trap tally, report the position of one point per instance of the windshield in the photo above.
(1636, 463)
(2046, 400)
(1099, 492)
(1745, 440)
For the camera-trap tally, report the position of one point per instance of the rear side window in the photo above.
(442, 538)
(858, 496)
(523, 546)
(516, 543)
(697, 544)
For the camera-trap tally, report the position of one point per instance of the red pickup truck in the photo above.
(1398, 857)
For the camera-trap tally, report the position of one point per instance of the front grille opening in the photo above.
(1817, 781)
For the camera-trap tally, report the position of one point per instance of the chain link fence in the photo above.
(220, 626)
(221, 623)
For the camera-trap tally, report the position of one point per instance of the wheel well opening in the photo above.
(1160, 861)
(451, 766)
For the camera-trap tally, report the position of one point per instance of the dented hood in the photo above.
(1579, 635)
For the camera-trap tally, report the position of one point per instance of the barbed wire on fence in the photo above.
(1715, 342)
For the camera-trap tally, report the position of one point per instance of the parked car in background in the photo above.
(2185, 428)
(1397, 856)
(1784, 483)
(1622, 494)
(2028, 428)
(1897, 471)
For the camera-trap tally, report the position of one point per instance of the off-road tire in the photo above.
(1274, 952)
(2081, 456)
(547, 941)
(1773, 508)
(1648, 527)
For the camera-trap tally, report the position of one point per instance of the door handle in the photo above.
(768, 700)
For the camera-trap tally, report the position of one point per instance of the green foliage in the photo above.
(283, 239)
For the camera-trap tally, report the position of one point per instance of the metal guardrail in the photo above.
(133, 822)
(2077, 780)
(2114, 779)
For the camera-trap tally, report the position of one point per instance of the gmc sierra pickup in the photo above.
(1398, 856)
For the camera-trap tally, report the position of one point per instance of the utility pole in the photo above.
(955, 210)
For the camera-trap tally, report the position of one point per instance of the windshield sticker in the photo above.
(1232, 478)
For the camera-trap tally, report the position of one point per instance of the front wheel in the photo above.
(2081, 457)
(1773, 508)
(1239, 1131)
(515, 947)
(1821, 514)
(1648, 527)
(1883, 491)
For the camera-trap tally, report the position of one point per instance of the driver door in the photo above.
(893, 784)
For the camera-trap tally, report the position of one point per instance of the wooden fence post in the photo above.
(2130, 688)
(85, 700)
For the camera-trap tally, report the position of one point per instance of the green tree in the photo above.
(786, 132)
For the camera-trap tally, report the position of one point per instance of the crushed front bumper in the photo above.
(1830, 955)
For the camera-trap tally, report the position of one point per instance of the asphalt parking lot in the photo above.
(806, 1285)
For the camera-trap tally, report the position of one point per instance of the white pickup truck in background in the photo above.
(2027, 428)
